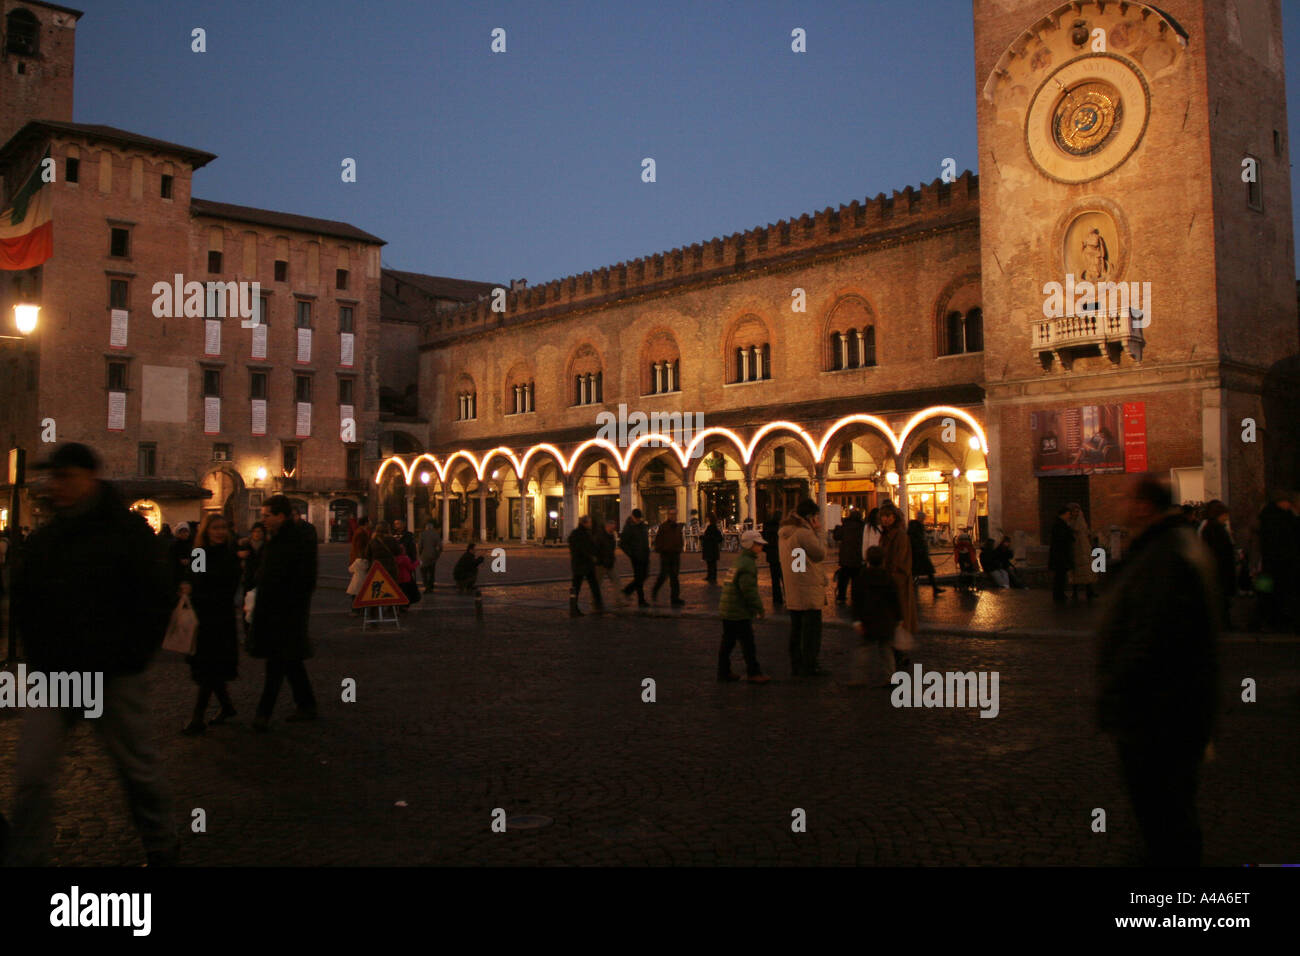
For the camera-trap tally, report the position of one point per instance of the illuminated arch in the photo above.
(879, 424)
(944, 411)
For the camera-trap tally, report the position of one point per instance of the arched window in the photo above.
(855, 346)
(964, 333)
(519, 390)
(466, 399)
(22, 33)
(749, 351)
(588, 381)
(661, 360)
(956, 334)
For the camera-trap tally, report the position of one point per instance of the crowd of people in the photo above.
(1157, 667)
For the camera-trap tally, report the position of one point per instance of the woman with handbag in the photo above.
(212, 593)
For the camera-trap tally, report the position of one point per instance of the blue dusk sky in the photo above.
(528, 163)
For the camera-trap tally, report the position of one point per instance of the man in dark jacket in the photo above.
(93, 593)
(582, 562)
(1060, 553)
(850, 539)
(635, 542)
(669, 543)
(922, 566)
(286, 578)
(1157, 672)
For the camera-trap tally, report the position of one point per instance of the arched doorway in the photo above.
(227, 499)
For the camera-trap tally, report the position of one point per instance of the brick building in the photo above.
(192, 409)
(933, 361)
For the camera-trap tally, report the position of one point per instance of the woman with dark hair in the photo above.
(212, 587)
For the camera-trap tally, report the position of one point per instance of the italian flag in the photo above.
(26, 227)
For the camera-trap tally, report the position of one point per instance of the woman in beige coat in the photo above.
(805, 585)
(1082, 575)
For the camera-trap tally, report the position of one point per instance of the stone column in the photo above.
(446, 515)
(482, 511)
(410, 508)
(751, 502)
(625, 502)
(570, 518)
(692, 499)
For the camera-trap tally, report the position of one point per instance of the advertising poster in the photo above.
(1089, 439)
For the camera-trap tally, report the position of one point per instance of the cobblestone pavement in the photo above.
(539, 714)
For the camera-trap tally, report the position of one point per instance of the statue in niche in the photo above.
(1096, 257)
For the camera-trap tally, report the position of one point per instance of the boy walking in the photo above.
(738, 607)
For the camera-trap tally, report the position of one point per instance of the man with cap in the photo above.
(93, 594)
(738, 606)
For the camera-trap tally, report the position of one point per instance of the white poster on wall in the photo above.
(259, 416)
(304, 346)
(117, 329)
(259, 341)
(211, 337)
(117, 411)
(211, 415)
(345, 349)
(304, 420)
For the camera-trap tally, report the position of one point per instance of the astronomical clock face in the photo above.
(1086, 118)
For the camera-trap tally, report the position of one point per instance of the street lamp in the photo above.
(261, 473)
(25, 318)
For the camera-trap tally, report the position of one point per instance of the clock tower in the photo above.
(1137, 265)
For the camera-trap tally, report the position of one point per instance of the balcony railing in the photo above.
(1089, 333)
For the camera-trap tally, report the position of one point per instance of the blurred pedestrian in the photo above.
(1060, 553)
(286, 578)
(216, 644)
(582, 562)
(805, 585)
(711, 546)
(898, 562)
(877, 612)
(669, 544)
(1082, 574)
(1214, 532)
(606, 538)
(465, 573)
(93, 594)
(406, 569)
(1157, 672)
(772, 550)
(851, 530)
(181, 549)
(922, 566)
(430, 551)
(405, 539)
(635, 543)
(738, 605)
(383, 548)
(1278, 581)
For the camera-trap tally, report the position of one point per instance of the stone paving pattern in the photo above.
(536, 713)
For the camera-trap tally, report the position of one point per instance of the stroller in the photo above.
(967, 566)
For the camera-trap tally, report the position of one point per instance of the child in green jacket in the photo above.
(739, 606)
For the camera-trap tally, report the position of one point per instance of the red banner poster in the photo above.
(1135, 436)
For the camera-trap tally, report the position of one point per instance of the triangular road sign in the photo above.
(379, 590)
